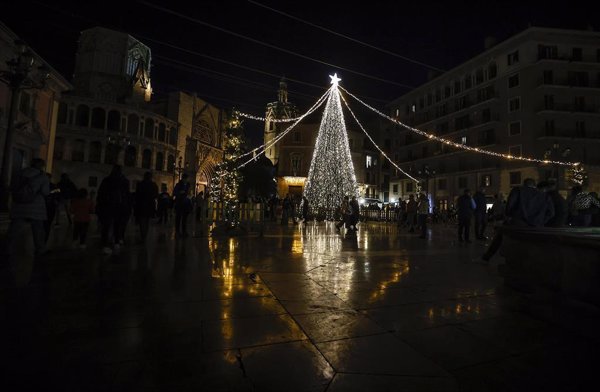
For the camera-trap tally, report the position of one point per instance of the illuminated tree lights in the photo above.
(224, 186)
(331, 174)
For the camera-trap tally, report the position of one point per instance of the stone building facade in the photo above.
(536, 95)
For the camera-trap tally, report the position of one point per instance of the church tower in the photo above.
(280, 109)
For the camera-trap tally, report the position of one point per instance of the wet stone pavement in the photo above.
(301, 308)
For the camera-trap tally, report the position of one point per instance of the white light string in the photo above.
(431, 136)
(274, 141)
(265, 146)
(263, 119)
(375, 144)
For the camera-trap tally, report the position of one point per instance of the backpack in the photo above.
(24, 193)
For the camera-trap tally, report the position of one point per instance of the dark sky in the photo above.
(440, 34)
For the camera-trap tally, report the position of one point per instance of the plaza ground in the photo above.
(300, 308)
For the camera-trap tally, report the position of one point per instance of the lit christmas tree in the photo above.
(331, 174)
(224, 186)
(578, 175)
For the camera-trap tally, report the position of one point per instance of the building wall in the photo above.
(473, 101)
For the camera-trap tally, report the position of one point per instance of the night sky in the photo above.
(441, 35)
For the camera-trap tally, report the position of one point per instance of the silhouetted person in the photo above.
(465, 208)
(29, 191)
(113, 208)
(480, 213)
(354, 213)
(411, 213)
(67, 192)
(344, 214)
(581, 204)
(164, 203)
(182, 205)
(82, 209)
(52, 201)
(422, 213)
(146, 193)
(304, 208)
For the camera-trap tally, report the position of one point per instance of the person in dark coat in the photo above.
(146, 193)
(561, 209)
(480, 213)
(182, 205)
(304, 208)
(113, 207)
(465, 205)
(68, 191)
(354, 213)
(32, 212)
(52, 201)
(164, 203)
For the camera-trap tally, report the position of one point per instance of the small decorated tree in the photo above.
(224, 186)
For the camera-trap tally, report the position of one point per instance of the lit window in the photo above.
(463, 140)
(369, 161)
(413, 108)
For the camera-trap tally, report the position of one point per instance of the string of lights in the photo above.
(431, 136)
(263, 147)
(375, 144)
(263, 119)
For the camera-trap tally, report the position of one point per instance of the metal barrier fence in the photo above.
(251, 216)
(383, 215)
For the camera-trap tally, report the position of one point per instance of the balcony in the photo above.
(567, 83)
(569, 108)
(570, 134)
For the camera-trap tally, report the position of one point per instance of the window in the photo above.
(513, 81)
(413, 108)
(460, 103)
(395, 189)
(547, 52)
(479, 76)
(296, 164)
(514, 128)
(59, 148)
(162, 133)
(576, 54)
(463, 182)
(486, 180)
(549, 102)
(114, 121)
(368, 161)
(456, 86)
(462, 122)
(98, 118)
(173, 136)
(297, 137)
(133, 124)
(95, 152)
(467, 81)
(514, 104)
(579, 103)
(92, 181)
(442, 184)
(442, 128)
(409, 187)
(486, 115)
(548, 76)
(82, 117)
(78, 150)
(160, 161)
(438, 95)
(149, 128)
(397, 112)
(146, 159)
(421, 103)
(515, 178)
(486, 137)
(62, 113)
(513, 58)
(579, 79)
(111, 153)
(447, 91)
(170, 163)
(25, 103)
(130, 156)
(492, 71)
(549, 127)
(463, 140)
(580, 128)
(430, 99)
(515, 151)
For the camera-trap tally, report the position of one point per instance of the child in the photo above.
(81, 208)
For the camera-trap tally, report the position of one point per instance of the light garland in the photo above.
(266, 146)
(264, 119)
(431, 136)
(331, 175)
(375, 144)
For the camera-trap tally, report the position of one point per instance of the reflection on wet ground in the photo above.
(300, 308)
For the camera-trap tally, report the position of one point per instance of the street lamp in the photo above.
(554, 154)
(19, 76)
(426, 173)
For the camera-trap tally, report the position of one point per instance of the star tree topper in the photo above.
(334, 79)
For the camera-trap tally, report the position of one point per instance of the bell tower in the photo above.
(278, 110)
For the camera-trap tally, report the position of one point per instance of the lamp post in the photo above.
(555, 154)
(19, 76)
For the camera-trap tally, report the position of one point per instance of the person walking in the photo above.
(286, 211)
(146, 193)
(465, 206)
(354, 210)
(68, 190)
(304, 209)
(580, 207)
(423, 212)
(164, 202)
(182, 205)
(29, 191)
(411, 213)
(113, 206)
(480, 213)
(82, 209)
(344, 214)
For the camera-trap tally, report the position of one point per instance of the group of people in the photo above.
(38, 202)
(349, 213)
(414, 212)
